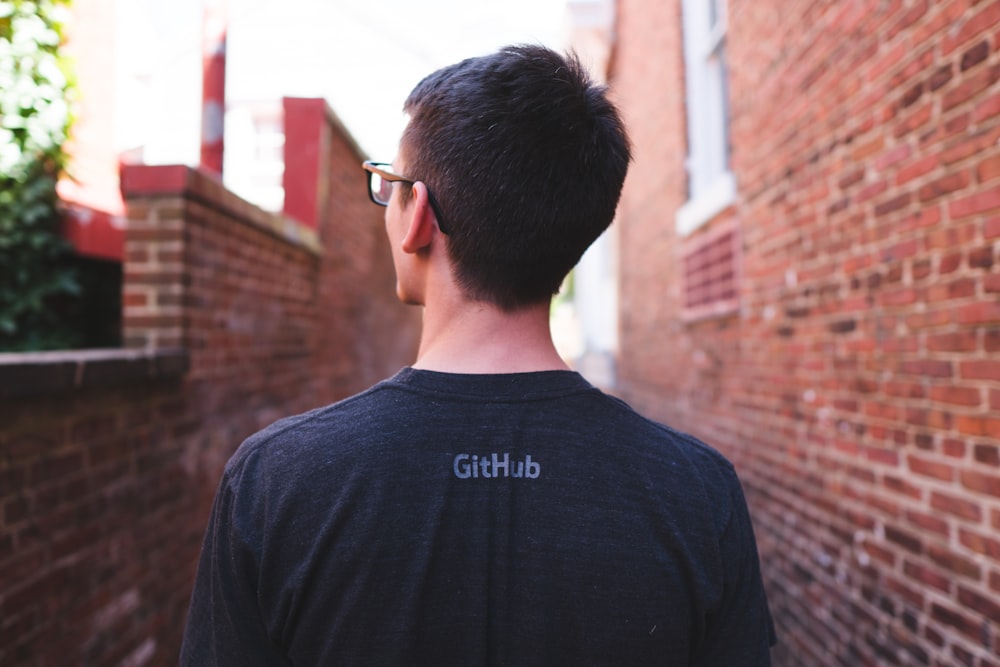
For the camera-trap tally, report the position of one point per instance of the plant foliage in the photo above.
(36, 280)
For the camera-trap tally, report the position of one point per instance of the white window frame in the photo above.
(712, 186)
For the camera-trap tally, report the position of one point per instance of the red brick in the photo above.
(983, 369)
(135, 299)
(927, 367)
(941, 76)
(902, 487)
(882, 456)
(980, 202)
(962, 151)
(954, 235)
(927, 576)
(981, 258)
(989, 168)
(991, 228)
(991, 283)
(981, 544)
(966, 396)
(984, 312)
(916, 119)
(953, 447)
(903, 538)
(989, 454)
(935, 419)
(900, 297)
(956, 289)
(928, 468)
(975, 55)
(956, 506)
(954, 562)
(975, 601)
(901, 389)
(137, 254)
(929, 523)
(981, 482)
(958, 341)
(978, 426)
(991, 341)
(920, 167)
(921, 269)
(944, 185)
(950, 263)
(893, 156)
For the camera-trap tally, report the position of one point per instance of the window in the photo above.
(711, 185)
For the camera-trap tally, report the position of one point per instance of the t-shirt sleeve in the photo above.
(224, 624)
(740, 632)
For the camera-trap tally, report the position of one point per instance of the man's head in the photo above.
(525, 157)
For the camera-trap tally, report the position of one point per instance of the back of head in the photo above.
(526, 158)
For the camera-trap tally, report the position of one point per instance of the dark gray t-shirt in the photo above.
(447, 519)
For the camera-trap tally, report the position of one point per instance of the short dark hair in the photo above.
(526, 157)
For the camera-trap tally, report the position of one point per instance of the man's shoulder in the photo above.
(671, 442)
(287, 438)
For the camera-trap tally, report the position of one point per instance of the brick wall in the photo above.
(109, 465)
(856, 386)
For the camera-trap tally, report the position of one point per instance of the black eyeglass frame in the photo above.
(372, 167)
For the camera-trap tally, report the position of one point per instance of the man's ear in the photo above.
(423, 223)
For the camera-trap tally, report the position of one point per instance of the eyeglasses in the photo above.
(380, 182)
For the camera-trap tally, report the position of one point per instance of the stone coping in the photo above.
(33, 373)
(168, 180)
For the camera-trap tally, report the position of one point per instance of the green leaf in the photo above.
(35, 113)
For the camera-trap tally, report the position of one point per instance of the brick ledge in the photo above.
(31, 373)
(166, 180)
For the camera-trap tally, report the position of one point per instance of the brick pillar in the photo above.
(307, 141)
(154, 269)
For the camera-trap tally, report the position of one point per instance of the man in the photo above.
(486, 505)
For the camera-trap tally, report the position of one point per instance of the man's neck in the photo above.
(475, 337)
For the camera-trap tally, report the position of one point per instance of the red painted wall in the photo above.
(94, 217)
(307, 141)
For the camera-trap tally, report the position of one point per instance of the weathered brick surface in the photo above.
(105, 491)
(856, 386)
